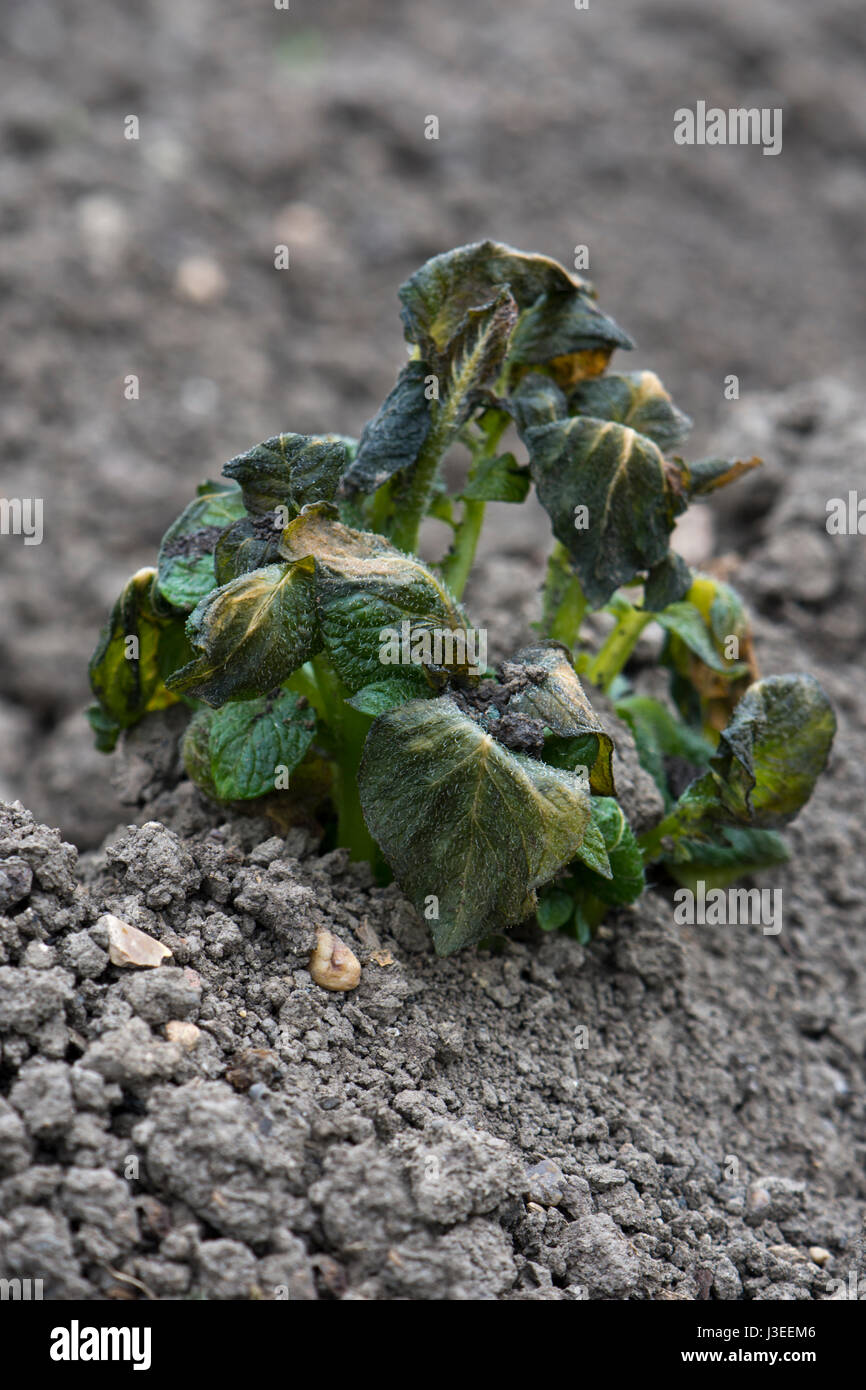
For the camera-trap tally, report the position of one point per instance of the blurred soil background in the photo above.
(305, 127)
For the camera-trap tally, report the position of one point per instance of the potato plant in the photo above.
(331, 675)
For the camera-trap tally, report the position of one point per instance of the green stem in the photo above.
(347, 731)
(458, 564)
(567, 621)
(617, 648)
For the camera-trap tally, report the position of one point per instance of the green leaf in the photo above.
(658, 734)
(105, 729)
(463, 821)
(365, 585)
(439, 297)
(621, 479)
(392, 440)
(593, 851)
(249, 741)
(555, 907)
(380, 696)
(553, 693)
(624, 882)
(498, 479)
(768, 759)
(685, 621)
(667, 582)
(138, 648)
(185, 571)
(289, 470)
(251, 634)
(636, 399)
(739, 852)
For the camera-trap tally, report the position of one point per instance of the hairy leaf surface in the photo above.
(251, 634)
(185, 569)
(636, 399)
(247, 741)
(461, 818)
(290, 470)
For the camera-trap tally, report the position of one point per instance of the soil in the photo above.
(671, 1113)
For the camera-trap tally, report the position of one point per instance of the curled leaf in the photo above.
(553, 694)
(251, 634)
(185, 569)
(636, 399)
(618, 480)
(469, 828)
(393, 438)
(138, 649)
(289, 470)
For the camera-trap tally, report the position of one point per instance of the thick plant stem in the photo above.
(618, 647)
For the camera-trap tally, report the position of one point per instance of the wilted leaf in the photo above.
(242, 746)
(561, 325)
(137, 650)
(685, 621)
(636, 399)
(185, 570)
(465, 821)
(537, 400)
(289, 470)
(768, 759)
(557, 698)
(737, 852)
(393, 438)
(619, 476)
(438, 298)
(706, 475)
(251, 634)
(667, 582)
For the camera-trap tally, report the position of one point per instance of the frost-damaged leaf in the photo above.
(619, 476)
(636, 399)
(438, 298)
(247, 545)
(557, 698)
(499, 479)
(569, 332)
(738, 852)
(185, 569)
(290, 470)
(137, 649)
(364, 584)
(537, 400)
(251, 634)
(239, 749)
(624, 881)
(461, 818)
(393, 438)
(706, 475)
(667, 582)
(768, 759)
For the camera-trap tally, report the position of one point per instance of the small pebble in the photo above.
(129, 946)
(333, 965)
(186, 1034)
(818, 1255)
